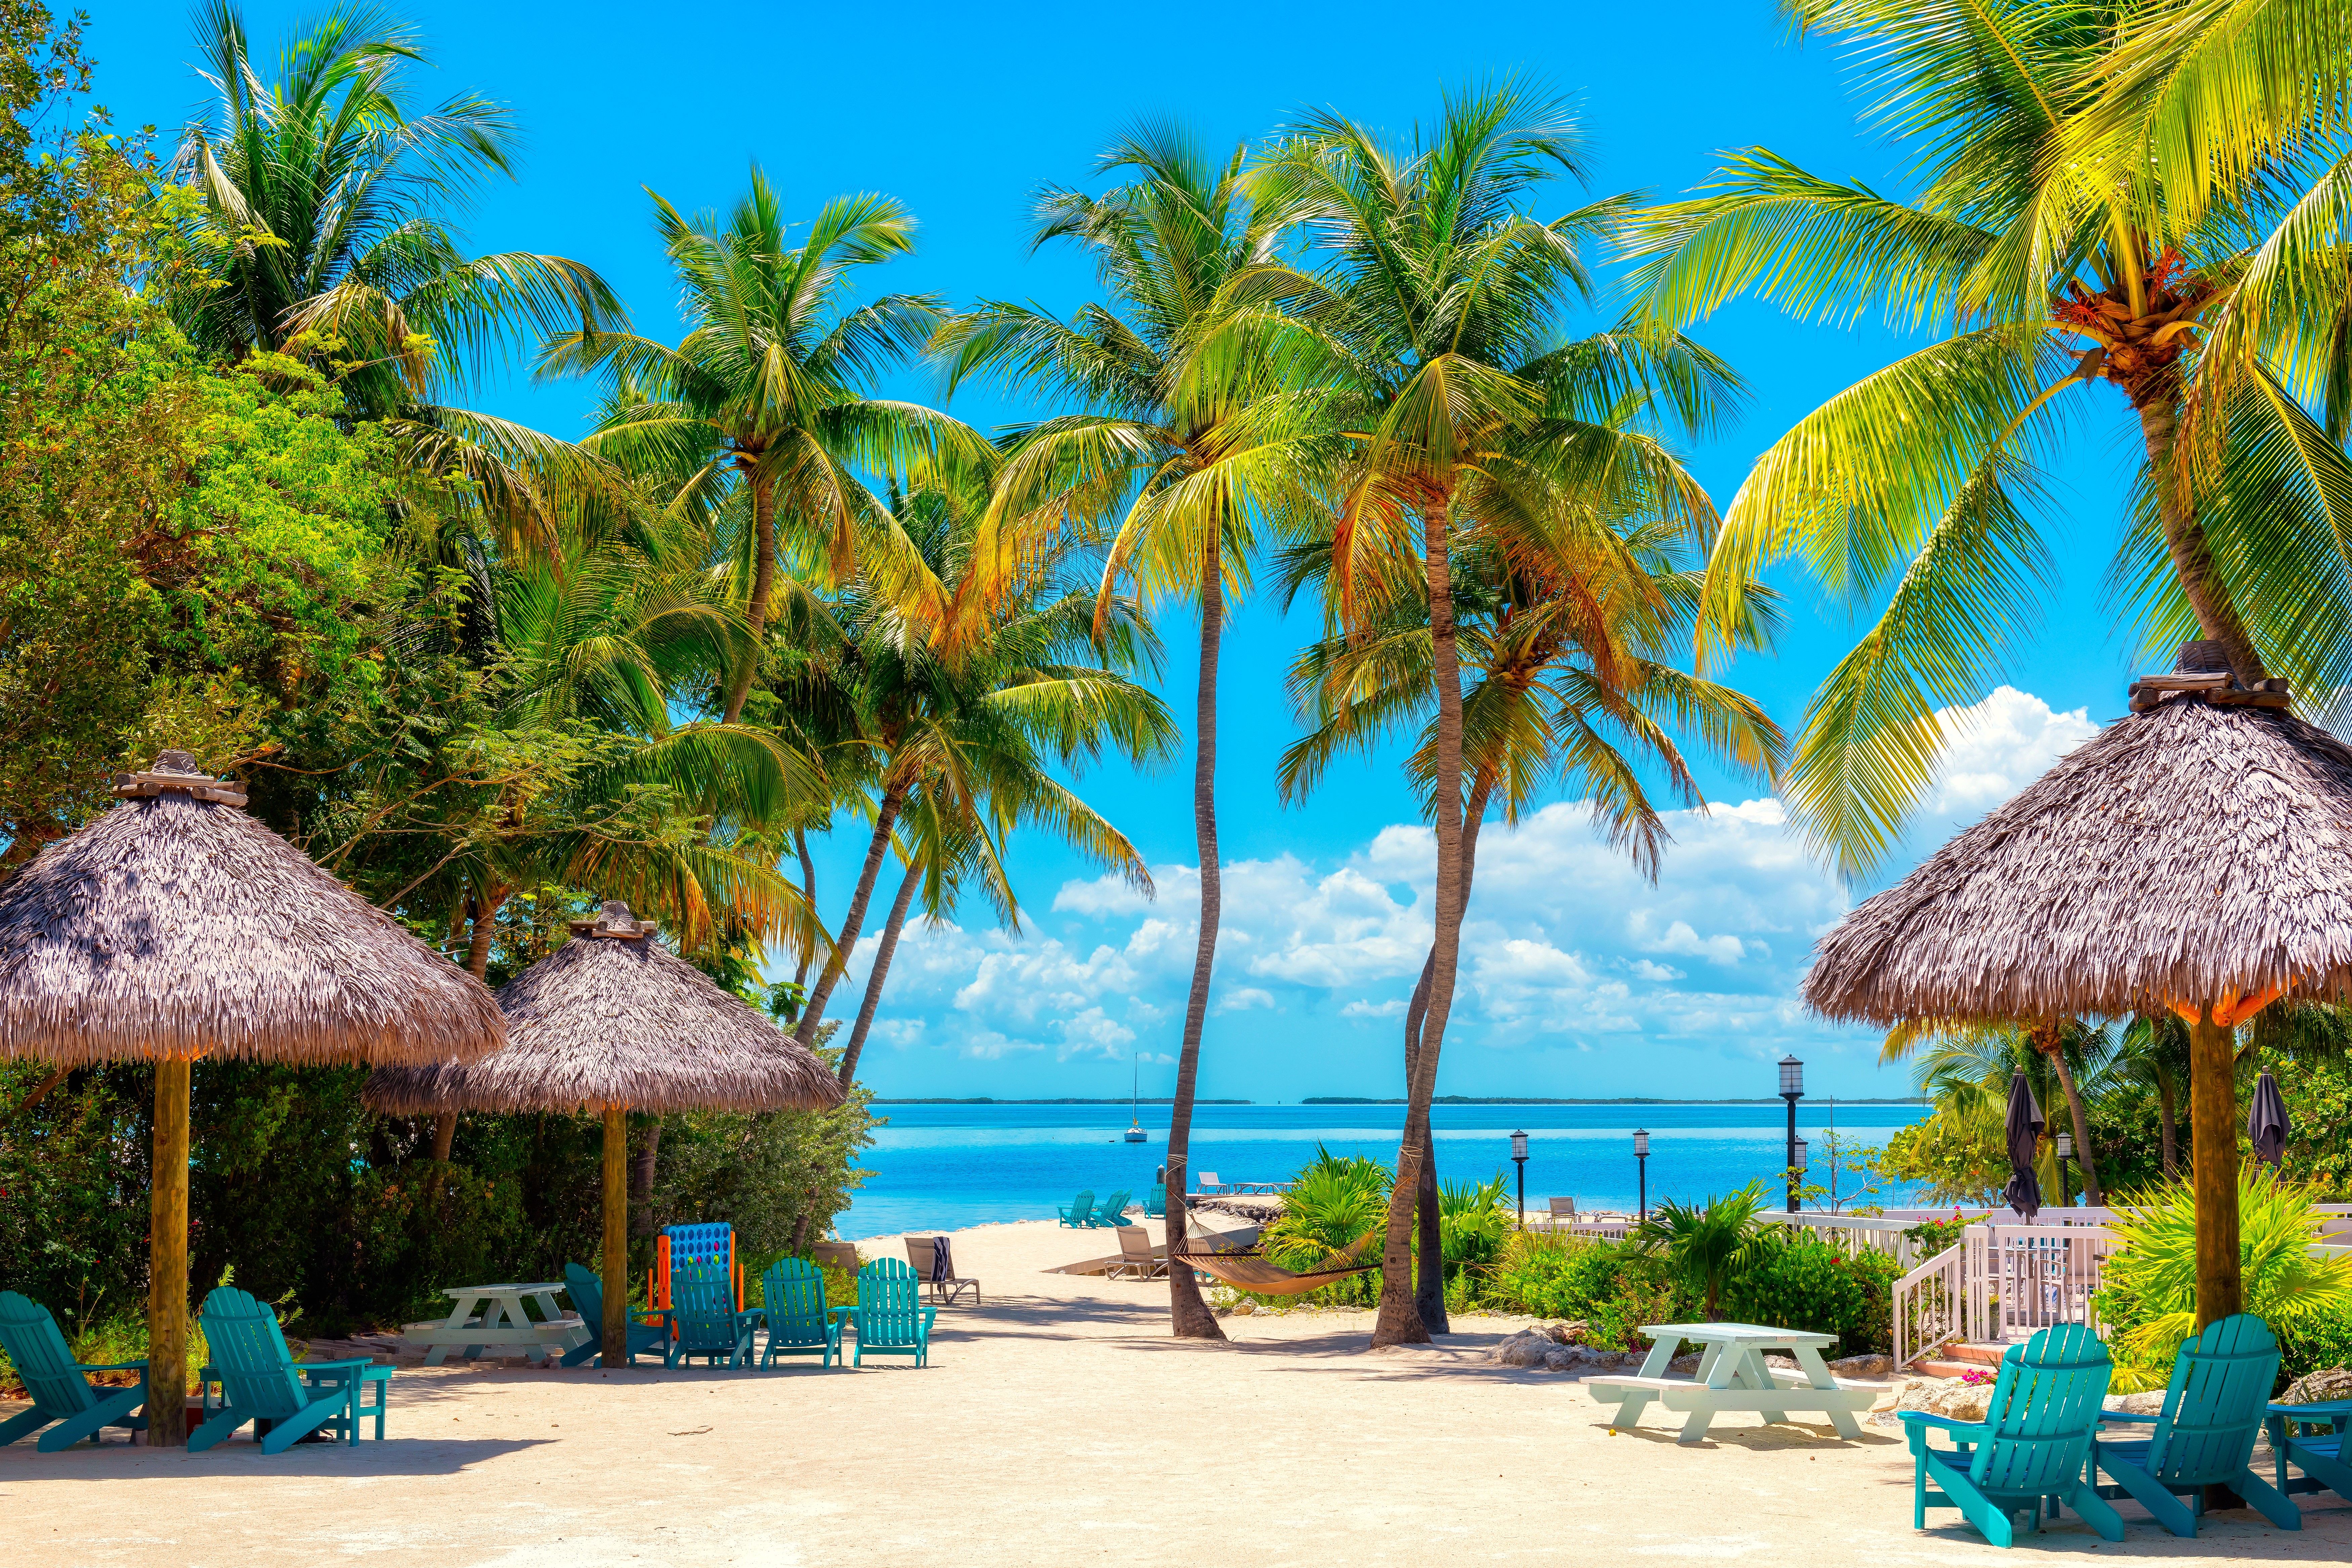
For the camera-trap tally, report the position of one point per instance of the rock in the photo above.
(1568, 1333)
(1563, 1358)
(1685, 1364)
(1244, 1308)
(2150, 1403)
(1862, 1366)
(2318, 1388)
(1936, 1396)
(1528, 1347)
(1785, 1362)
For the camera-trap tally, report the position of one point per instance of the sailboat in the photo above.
(1135, 1132)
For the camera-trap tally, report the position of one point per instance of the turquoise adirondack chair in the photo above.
(1155, 1203)
(261, 1382)
(648, 1327)
(2031, 1446)
(890, 1319)
(2214, 1408)
(702, 1302)
(2318, 1455)
(1074, 1214)
(794, 1316)
(64, 1398)
(1107, 1215)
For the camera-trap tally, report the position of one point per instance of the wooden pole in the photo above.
(167, 1262)
(616, 1236)
(2213, 1135)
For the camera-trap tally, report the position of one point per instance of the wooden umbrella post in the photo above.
(167, 1261)
(616, 1236)
(2213, 1131)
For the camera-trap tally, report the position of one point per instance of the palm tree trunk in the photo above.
(872, 998)
(2171, 1134)
(2082, 1129)
(641, 1179)
(483, 911)
(1398, 1322)
(808, 892)
(1189, 1317)
(763, 583)
(2184, 538)
(885, 818)
(1428, 1273)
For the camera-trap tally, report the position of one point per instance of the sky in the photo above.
(1579, 978)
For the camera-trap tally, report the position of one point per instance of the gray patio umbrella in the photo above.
(2267, 1126)
(2022, 1133)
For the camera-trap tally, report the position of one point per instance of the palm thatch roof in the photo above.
(614, 1018)
(176, 925)
(2199, 850)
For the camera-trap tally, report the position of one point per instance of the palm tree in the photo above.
(1708, 1244)
(1965, 1069)
(319, 234)
(2153, 1050)
(1194, 440)
(1434, 319)
(769, 390)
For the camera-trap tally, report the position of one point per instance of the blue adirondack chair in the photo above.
(64, 1398)
(890, 1319)
(2318, 1455)
(1108, 1214)
(2214, 1408)
(702, 1303)
(648, 1327)
(1155, 1201)
(794, 1315)
(2029, 1447)
(262, 1383)
(1074, 1213)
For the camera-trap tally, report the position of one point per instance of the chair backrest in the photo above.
(1112, 1208)
(1083, 1205)
(922, 1255)
(1135, 1244)
(2045, 1405)
(2214, 1406)
(1209, 1179)
(888, 1308)
(257, 1370)
(1564, 1208)
(1155, 1201)
(841, 1255)
(703, 1295)
(44, 1363)
(794, 1292)
(587, 1293)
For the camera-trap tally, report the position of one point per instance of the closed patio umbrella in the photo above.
(2022, 1130)
(176, 926)
(2267, 1127)
(609, 1022)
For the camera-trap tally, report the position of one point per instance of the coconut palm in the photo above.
(320, 232)
(1964, 1070)
(769, 393)
(1195, 445)
(2152, 1050)
(1708, 1244)
(2075, 265)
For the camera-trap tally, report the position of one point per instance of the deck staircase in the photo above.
(1958, 1357)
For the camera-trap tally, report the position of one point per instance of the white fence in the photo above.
(1853, 1232)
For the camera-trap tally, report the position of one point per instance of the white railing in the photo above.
(1931, 1306)
(1852, 1233)
(1594, 1227)
(2022, 1277)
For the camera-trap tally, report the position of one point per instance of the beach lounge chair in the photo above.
(262, 1383)
(2213, 1408)
(648, 1326)
(1209, 1184)
(1136, 1258)
(64, 1398)
(841, 1255)
(709, 1325)
(890, 1318)
(933, 1261)
(2318, 1455)
(1109, 1212)
(2031, 1446)
(794, 1316)
(1075, 1214)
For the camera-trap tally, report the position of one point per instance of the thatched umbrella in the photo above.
(2195, 855)
(176, 926)
(612, 1022)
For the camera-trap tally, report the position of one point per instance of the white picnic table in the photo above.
(1733, 1375)
(492, 1318)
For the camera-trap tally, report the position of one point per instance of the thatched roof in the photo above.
(2196, 851)
(614, 1018)
(175, 924)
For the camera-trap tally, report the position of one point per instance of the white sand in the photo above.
(1056, 1424)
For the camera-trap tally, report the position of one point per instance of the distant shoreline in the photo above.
(1441, 1100)
(984, 1099)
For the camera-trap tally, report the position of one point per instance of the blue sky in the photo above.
(1581, 980)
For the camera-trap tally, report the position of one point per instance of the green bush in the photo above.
(1807, 1284)
(1613, 1288)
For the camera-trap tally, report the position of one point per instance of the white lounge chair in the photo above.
(1137, 1259)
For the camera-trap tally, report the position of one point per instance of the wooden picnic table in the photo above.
(492, 1318)
(1733, 1375)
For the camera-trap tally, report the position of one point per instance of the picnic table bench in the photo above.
(492, 1318)
(1733, 1375)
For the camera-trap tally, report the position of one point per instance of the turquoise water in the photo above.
(946, 1166)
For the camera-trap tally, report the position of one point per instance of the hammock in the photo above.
(1249, 1270)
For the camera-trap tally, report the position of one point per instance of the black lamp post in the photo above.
(2065, 1151)
(1800, 1159)
(1641, 1166)
(1520, 1158)
(1792, 1090)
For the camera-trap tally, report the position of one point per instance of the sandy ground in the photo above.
(1056, 1424)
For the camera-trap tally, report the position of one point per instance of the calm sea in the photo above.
(947, 1166)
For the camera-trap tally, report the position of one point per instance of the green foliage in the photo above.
(2149, 1288)
(1801, 1282)
(1473, 1221)
(1331, 1205)
(1614, 1288)
(1706, 1246)
(1956, 1163)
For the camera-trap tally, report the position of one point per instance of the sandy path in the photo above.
(1057, 1424)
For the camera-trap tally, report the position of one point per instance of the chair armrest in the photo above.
(648, 1316)
(343, 1365)
(2325, 1409)
(110, 1366)
(2136, 1418)
(1923, 1418)
(755, 1316)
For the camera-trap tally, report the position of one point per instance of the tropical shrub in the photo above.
(2147, 1298)
(1333, 1201)
(1474, 1220)
(1613, 1288)
(1801, 1282)
(1707, 1245)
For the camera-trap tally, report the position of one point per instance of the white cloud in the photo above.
(1242, 998)
(1391, 1008)
(1998, 747)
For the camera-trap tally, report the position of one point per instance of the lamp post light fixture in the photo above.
(1520, 1158)
(2065, 1151)
(1792, 1090)
(1642, 1168)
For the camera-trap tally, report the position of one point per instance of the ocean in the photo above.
(947, 1166)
